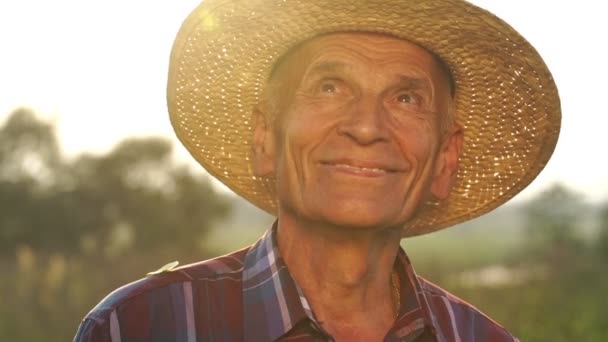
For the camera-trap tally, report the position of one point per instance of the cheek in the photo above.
(294, 146)
(309, 124)
(418, 140)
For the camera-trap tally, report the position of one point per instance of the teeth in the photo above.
(373, 169)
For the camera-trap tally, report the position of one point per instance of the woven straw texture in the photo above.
(505, 99)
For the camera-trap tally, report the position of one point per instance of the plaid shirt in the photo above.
(249, 295)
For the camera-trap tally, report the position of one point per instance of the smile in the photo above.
(360, 168)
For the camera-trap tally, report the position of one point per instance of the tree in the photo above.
(29, 162)
(28, 149)
(552, 220)
(602, 241)
(73, 230)
(136, 197)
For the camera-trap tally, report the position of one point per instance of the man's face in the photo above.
(357, 138)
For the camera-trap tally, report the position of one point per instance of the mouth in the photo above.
(361, 168)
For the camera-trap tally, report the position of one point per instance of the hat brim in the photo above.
(505, 98)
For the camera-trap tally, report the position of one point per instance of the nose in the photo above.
(365, 121)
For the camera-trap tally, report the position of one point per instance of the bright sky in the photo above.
(99, 69)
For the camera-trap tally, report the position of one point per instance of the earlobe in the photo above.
(446, 166)
(262, 145)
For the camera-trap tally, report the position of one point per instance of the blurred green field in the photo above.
(549, 298)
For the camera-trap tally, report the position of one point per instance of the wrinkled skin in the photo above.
(358, 141)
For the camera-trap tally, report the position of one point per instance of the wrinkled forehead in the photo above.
(297, 54)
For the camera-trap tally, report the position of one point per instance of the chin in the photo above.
(361, 217)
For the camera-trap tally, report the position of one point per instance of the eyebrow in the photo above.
(333, 66)
(327, 67)
(414, 83)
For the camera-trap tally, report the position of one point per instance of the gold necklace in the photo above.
(396, 292)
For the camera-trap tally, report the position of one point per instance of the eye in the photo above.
(408, 98)
(327, 87)
(330, 88)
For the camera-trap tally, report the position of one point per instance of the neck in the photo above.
(344, 273)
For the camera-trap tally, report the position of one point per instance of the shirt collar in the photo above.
(273, 303)
(415, 314)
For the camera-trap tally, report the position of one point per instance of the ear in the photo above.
(446, 164)
(263, 144)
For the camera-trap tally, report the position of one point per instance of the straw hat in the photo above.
(505, 99)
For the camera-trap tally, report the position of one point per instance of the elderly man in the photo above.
(357, 124)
